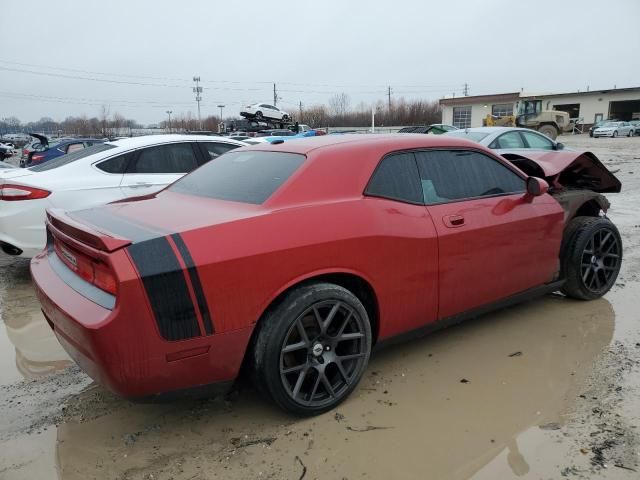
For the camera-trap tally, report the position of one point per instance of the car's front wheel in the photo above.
(591, 257)
(615, 134)
(630, 133)
(312, 348)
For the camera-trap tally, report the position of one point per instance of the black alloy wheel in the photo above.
(312, 349)
(592, 257)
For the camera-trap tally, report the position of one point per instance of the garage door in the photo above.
(624, 110)
(462, 117)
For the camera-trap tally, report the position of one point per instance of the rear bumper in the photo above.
(22, 225)
(121, 348)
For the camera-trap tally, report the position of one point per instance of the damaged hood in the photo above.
(567, 169)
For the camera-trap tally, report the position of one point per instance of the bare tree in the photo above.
(339, 104)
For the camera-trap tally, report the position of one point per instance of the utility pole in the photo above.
(389, 94)
(300, 110)
(198, 90)
(275, 95)
(466, 90)
(169, 112)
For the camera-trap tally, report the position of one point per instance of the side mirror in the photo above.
(559, 146)
(536, 187)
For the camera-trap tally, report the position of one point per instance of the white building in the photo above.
(584, 107)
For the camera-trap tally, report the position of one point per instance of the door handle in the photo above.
(453, 221)
(140, 185)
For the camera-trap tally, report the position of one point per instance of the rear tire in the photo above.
(630, 133)
(591, 256)
(312, 348)
(549, 130)
(259, 115)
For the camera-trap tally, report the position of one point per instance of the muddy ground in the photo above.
(549, 389)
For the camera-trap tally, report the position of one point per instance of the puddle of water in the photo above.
(435, 426)
(28, 347)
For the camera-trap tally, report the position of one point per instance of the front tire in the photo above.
(312, 348)
(591, 256)
(259, 115)
(615, 134)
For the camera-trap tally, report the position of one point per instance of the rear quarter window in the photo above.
(248, 177)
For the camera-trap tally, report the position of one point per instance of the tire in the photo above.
(549, 130)
(591, 255)
(258, 114)
(630, 134)
(615, 134)
(299, 372)
(285, 118)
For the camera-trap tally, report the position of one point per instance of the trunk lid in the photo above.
(119, 224)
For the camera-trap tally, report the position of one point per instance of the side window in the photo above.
(449, 176)
(215, 149)
(537, 141)
(173, 158)
(74, 147)
(114, 165)
(509, 140)
(396, 178)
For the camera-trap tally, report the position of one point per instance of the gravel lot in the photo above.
(545, 390)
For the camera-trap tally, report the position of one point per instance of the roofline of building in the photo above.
(505, 97)
(498, 97)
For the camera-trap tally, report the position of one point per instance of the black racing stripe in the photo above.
(166, 288)
(103, 218)
(195, 281)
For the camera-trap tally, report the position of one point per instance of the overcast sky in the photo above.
(145, 53)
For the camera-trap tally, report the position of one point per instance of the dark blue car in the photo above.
(52, 149)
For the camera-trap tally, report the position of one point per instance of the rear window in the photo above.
(72, 157)
(474, 136)
(248, 177)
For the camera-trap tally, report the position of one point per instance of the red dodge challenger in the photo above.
(295, 259)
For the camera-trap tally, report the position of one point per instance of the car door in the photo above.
(508, 141)
(406, 260)
(153, 168)
(538, 141)
(211, 150)
(493, 241)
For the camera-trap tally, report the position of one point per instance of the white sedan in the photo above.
(93, 176)
(264, 110)
(614, 129)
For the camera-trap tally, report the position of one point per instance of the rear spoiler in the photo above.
(59, 221)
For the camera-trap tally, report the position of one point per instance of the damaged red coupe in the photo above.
(294, 260)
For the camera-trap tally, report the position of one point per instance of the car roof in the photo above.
(389, 142)
(147, 140)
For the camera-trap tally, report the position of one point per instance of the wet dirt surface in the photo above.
(543, 390)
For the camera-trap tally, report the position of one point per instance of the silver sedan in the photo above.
(615, 129)
(506, 139)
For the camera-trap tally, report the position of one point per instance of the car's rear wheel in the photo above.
(312, 348)
(630, 133)
(258, 114)
(591, 257)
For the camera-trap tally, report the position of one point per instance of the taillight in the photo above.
(9, 192)
(36, 158)
(93, 271)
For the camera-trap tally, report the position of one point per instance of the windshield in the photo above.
(72, 157)
(248, 177)
(474, 136)
(610, 124)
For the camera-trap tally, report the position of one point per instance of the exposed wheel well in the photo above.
(355, 284)
(588, 209)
